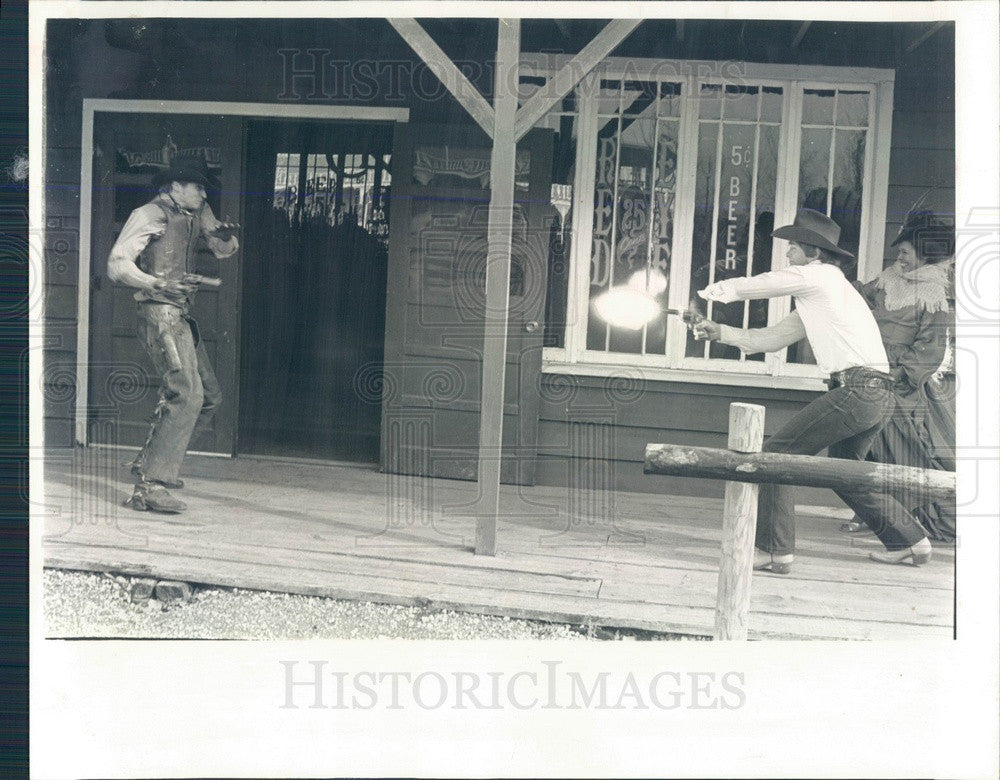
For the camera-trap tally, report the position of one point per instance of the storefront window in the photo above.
(684, 181)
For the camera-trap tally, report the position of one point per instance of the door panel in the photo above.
(128, 149)
(435, 329)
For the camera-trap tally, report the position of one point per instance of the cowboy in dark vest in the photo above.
(155, 254)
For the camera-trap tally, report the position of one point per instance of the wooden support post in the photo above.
(498, 237)
(739, 523)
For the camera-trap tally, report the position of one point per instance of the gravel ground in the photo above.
(82, 604)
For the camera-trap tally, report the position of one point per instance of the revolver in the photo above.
(691, 316)
(197, 280)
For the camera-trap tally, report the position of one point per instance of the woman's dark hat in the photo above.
(193, 169)
(932, 235)
(812, 227)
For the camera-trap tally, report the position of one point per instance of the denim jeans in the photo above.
(846, 420)
(189, 390)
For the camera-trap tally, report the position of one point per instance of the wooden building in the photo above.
(350, 327)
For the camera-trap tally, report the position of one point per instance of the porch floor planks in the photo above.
(326, 530)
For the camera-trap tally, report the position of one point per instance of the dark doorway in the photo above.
(317, 216)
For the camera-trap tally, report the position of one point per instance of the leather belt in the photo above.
(860, 376)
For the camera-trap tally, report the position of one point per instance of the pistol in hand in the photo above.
(225, 230)
(197, 280)
(692, 314)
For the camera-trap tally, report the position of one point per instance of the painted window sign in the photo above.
(335, 188)
(635, 180)
(150, 160)
(737, 179)
(463, 167)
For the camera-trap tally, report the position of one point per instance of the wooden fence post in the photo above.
(739, 523)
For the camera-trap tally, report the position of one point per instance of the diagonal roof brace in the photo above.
(803, 29)
(447, 72)
(927, 33)
(539, 104)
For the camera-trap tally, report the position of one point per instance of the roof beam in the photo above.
(447, 72)
(539, 104)
(803, 29)
(924, 36)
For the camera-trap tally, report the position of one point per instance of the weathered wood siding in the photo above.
(922, 158)
(593, 432)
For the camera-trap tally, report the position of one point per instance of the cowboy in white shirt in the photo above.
(846, 341)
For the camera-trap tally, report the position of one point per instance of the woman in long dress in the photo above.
(910, 301)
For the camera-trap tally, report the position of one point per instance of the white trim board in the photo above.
(220, 108)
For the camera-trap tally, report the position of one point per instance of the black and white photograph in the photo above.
(486, 389)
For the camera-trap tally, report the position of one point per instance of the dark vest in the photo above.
(173, 254)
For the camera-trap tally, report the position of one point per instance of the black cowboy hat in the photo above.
(814, 228)
(189, 168)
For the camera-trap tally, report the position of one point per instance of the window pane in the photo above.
(840, 199)
(763, 225)
(631, 231)
(852, 108)
(670, 100)
(528, 86)
(701, 248)
(735, 191)
(848, 187)
(609, 98)
(814, 168)
(560, 237)
(604, 218)
(723, 254)
(639, 97)
(710, 101)
(770, 104)
(741, 102)
(844, 205)
(817, 107)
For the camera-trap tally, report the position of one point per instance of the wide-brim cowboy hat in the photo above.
(192, 169)
(813, 228)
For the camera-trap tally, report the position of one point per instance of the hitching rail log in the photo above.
(807, 470)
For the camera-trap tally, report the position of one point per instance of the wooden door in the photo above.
(432, 380)
(128, 149)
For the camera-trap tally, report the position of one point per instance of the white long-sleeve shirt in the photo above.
(828, 311)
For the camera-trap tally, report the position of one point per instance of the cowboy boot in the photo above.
(172, 485)
(151, 496)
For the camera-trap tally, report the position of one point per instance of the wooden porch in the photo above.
(344, 531)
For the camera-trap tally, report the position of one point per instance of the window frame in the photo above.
(773, 371)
